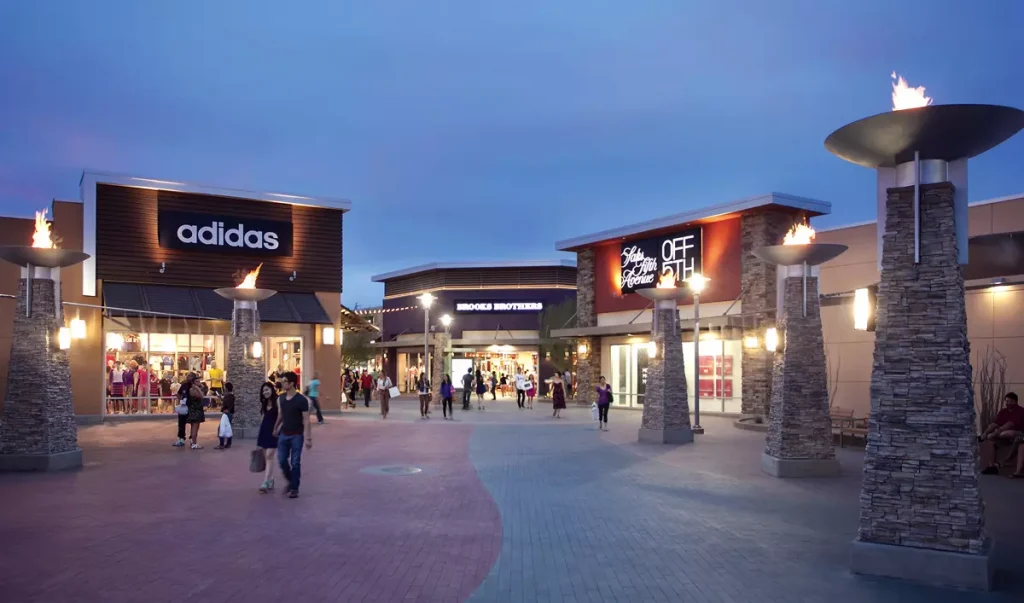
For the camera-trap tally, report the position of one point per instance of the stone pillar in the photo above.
(588, 370)
(758, 283)
(921, 511)
(38, 431)
(666, 418)
(437, 364)
(246, 373)
(799, 442)
(586, 316)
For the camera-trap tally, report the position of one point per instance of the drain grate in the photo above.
(392, 470)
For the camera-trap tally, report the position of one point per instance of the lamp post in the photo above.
(426, 300)
(696, 282)
(446, 320)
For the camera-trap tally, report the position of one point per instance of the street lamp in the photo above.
(697, 282)
(426, 300)
(446, 320)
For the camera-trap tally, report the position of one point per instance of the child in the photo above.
(531, 391)
(228, 409)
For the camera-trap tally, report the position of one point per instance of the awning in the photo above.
(354, 323)
(124, 299)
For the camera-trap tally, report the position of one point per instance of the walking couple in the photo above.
(285, 428)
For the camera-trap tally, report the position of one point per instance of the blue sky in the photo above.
(478, 130)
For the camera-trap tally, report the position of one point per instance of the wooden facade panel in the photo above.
(527, 276)
(128, 246)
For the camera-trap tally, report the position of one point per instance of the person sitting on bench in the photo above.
(1008, 426)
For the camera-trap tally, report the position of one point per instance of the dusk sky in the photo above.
(479, 130)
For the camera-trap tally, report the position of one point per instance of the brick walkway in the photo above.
(511, 506)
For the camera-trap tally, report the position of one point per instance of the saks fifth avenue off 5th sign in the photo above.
(643, 262)
(224, 234)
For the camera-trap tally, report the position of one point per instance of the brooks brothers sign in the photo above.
(224, 234)
(644, 261)
(497, 307)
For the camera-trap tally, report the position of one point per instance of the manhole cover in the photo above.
(393, 470)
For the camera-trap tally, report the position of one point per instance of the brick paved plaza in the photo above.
(510, 506)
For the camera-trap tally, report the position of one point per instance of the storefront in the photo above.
(495, 311)
(612, 335)
(144, 309)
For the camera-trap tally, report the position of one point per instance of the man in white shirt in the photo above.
(520, 388)
(568, 384)
(384, 386)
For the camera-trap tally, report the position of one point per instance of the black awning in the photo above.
(124, 299)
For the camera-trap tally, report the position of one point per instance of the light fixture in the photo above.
(582, 350)
(750, 342)
(373, 341)
(77, 328)
(771, 339)
(115, 341)
(257, 349)
(427, 299)
(861, 309)
(446, 320)
(64, 338)
(328, 335)
(652, 350)
(697, 282)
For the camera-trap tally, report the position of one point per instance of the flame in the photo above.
(249, 282)
(41, 236)
(905, 97)
(800, 234)
(667, 280)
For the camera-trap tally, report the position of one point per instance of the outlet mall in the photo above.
(146, 295)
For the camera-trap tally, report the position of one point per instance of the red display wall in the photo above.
(721, 253)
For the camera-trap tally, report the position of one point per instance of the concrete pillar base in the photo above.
(925, 566)
(799, 467)
(245, 433)
(679, 435)
(60, 461)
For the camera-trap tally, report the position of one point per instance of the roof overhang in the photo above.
(812, 207)
(380, 278)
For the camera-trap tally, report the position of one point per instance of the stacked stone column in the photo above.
(799, 442)
(666, 416)
(437, 364)
(38, 431)
(588, 368)
(921, 511)
(244, 371)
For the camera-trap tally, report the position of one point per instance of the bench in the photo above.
(845, 424)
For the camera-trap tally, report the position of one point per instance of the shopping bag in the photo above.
(344, 398)
(394, 393)
(181, 408)
(224, 430)
(593, 411)
(257, 462)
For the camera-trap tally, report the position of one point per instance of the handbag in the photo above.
(393, 392)
(181, 408)
(257, 461)
(430, 396)
(611, 398)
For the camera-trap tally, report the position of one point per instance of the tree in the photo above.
(356, 349)
(559, 351)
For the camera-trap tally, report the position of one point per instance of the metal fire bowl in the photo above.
(795, 255)
(252, 295)
(946, 132)
(23, 255)
(664, 293)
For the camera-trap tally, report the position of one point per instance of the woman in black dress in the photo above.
(266, 438)
(196, 415)
(481, 389)
(557, 395)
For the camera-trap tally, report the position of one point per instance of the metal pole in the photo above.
(426, 341)
(917, 207)
(696, 364)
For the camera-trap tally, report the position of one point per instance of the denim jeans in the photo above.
(289, 456)
(315, 401)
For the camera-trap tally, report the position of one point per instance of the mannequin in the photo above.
(115, 381)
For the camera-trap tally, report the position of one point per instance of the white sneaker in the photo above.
(178, 443)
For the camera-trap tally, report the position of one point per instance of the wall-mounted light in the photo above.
(652, 350)
(583, 350)
(77, 328)
(294, 276)
(751, 342)
(163, 267)
(771, 339)
(861, 309)
(64, 338)
(257, 349)
(328, 335)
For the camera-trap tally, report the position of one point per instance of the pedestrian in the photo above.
(354, 386)
(567, 378)
(503, 383)
(423, 389)
(266, 440)
(384, 386)
(227, 408)
(531, 391)
(520, 383)
(367, 386)
(557, 395)
(182, 409)
(467, 388)
(494, 386)
(293, 430)
(313, 393)
(447, 393)
(196, 414)
(604, 400)
(481, 389)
